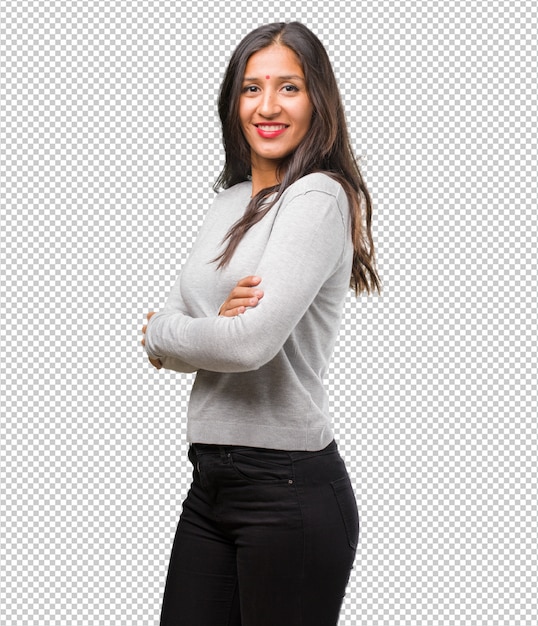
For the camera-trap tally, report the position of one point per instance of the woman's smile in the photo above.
(269, 131)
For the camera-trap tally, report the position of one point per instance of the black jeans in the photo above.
(266, 538)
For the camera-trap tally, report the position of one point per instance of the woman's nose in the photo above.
(269, 106)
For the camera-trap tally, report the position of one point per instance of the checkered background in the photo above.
(109, 145)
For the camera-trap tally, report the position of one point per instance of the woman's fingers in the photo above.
(156, 363)
(233, 311)
(238, 293)
(249, 281)
(243, 295)
(235, 305)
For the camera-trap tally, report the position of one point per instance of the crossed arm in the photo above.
(309, 242)
(244, 295)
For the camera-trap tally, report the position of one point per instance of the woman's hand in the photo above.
(243, 295)
(155, 362)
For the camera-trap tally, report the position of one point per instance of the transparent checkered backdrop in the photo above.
(110, 144)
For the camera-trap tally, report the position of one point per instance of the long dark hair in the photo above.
(325, 148)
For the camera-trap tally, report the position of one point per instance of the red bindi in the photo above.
(268, 77)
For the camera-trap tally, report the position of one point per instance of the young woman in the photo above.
(269, 528)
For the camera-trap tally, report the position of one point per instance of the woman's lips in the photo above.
(268, 131)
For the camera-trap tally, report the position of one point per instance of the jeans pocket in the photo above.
(254, 468)
(347, 504)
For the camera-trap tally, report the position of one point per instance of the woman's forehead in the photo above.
(275, 60)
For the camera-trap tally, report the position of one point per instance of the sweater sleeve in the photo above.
(304, 249)
(175, 304)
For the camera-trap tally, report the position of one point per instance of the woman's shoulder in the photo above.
(315, 182)
(228, 204)
(239, 190)
(321, 196)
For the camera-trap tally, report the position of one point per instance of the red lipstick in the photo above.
(269, 131)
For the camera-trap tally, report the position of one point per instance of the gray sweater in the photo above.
(259, 378)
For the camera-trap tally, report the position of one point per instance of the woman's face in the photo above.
(274, 108)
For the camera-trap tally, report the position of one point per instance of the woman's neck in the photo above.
(263, 177)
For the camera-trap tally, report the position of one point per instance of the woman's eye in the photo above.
(250, 89)
(290, 88)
